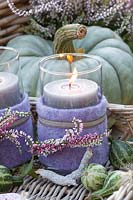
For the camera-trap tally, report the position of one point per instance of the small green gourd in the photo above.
(121, 154)
(7, 180)
(112, 183)
(93, 177)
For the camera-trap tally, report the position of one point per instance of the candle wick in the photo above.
(70, 67)
(70, 86)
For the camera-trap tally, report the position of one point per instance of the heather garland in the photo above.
(71, 139)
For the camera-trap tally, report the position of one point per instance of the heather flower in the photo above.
(71, 139)
(7, 121)
(47, 16)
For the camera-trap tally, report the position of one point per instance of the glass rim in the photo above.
(99, 66)
(15, 57)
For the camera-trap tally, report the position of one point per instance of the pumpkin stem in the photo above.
(63, 40)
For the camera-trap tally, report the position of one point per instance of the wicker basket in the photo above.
(42, 189)
(12, 26)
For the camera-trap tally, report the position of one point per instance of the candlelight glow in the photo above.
(70, 58)
(61, 55)
(73, 77)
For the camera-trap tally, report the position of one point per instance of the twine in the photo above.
(62, 124)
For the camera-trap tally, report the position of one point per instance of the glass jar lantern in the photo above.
(12, 96)
(70, 80)
(11, 89)
(71, 87)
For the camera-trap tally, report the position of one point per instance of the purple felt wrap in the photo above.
(69, 159)
(9, 154)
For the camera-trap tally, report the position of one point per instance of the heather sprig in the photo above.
(9, 117)
(8, 120)
(71, 139)
(49, 15)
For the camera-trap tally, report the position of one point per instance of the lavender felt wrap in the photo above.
(69, 159)
(9, 154)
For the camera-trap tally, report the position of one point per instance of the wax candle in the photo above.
(59, 94)
(9, 90)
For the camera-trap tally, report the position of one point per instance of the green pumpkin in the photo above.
(7, 180)
(112, 183)
(121, 154)
(93, 176)
(100, 43)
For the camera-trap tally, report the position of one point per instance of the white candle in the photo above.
(82, 93)
(9, 90)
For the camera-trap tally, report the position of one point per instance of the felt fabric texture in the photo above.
(9, 154)
(69, 159)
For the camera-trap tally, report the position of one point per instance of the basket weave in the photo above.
(42, 189)
(123, 114)
(10, 24)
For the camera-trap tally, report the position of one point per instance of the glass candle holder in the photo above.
(70, 80)
(11, 88)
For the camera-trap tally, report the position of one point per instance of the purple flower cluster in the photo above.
(7, 122)
(71, 139)
(49, 15)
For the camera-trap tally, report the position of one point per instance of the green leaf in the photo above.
(33, 173)
(26, 168)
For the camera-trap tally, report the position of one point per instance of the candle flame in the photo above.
(73, 77)
(70, 58)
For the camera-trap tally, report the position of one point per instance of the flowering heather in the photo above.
(71, 139)
(8, 121)
(49, 15)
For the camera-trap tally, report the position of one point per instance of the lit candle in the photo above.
(9, 90)
(63, 94)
